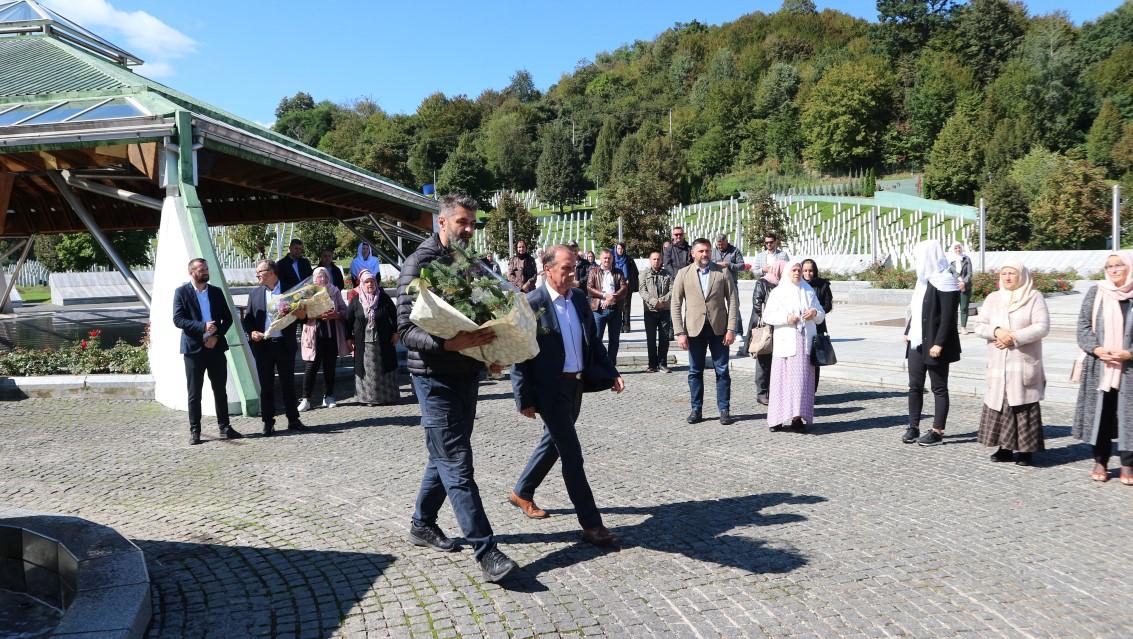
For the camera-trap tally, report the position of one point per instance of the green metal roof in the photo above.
(32, 66)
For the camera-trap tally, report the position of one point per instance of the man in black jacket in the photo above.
(678, 254)
(293, 268)
(274, 351)
(582, 266)
(446, 383)
(201, 312)
(571, 358)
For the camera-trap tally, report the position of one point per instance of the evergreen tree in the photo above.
(953, 169)
(1122, 153)
(1104, 134)
(987, 33)
(846, 113)
(642, 200)
(465, 172)
(524, 225)
(626, 157)
(558, 176)
(1008, 221)
(764, 215)
(602, 160)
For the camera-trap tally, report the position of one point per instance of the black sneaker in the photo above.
(911, 435)
(1023, 459)
(495, 565)
(430, 535)
(930, 438)
(194, 437)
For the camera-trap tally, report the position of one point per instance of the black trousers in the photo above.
(938, 376)
(276, 356)
(763, 375)
(1107, 431)
(658, 325)
(213, 362)
(326, 356)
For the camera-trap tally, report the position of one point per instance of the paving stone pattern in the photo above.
(730, 531)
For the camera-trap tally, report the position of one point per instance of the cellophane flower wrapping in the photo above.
(313, 299)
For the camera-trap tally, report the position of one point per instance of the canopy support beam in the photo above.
(110, 191)
(16, 271)
(103, 241)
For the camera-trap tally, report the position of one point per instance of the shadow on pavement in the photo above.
(857, 396)
(695, 529)
(212, 590)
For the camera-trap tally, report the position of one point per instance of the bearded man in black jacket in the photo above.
(446, 383)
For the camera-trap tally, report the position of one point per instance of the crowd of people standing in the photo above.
(689, 294)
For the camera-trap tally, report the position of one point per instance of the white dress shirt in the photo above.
(268, 294)
(570, 327)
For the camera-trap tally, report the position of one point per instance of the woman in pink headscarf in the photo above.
(322, 341)
(763, 288)
(1105, 397)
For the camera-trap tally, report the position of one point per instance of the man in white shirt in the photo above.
(274, 350)
(607, 288)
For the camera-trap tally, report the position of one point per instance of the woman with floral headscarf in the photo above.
(372, 328)
(931, 340)
(1013, 320)
(759, 295)
(322, 341)
(1105, 398)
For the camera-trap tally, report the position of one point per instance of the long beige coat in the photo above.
(1017, 370)
(721, 308)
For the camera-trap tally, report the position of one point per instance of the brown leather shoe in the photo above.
(527, 506)
(600, 536)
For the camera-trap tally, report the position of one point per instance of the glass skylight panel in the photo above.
(112, 109)
(20, 112)
(18, 12)
(60, 113)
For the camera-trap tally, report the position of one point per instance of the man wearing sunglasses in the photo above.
(770, 253)
(678, 254)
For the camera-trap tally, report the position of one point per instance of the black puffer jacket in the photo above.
(427, 354)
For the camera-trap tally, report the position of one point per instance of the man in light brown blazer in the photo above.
(708, 297)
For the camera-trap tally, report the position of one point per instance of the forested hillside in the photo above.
(1031, 112)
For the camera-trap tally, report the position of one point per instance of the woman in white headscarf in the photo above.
(364, 261)
(961, 266)
(1013, 320)
(931, 340)
(795, 312)
(1105, 398)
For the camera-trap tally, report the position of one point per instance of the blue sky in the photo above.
(244, 55)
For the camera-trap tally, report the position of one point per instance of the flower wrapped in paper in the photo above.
(314, 300)
(462, 297)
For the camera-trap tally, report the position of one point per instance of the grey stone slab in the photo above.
(107, 609)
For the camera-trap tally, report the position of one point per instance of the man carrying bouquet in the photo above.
(446, 383)
(273, 350)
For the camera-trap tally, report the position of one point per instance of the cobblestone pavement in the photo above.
(729, 531)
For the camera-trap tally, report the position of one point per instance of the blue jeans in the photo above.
(560, 440)
(448, 409)
(612, 318)
(697, 346)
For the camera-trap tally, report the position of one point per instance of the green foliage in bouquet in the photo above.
(467, 286)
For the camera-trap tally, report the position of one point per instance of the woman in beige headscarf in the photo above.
(1013, 320)
(1104, 411)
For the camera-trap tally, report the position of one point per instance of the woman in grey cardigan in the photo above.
(1105, 397)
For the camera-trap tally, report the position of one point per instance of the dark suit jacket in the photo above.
(536, 381)
(938, 326)
(187, 317)
(286, 273)
(255, 317)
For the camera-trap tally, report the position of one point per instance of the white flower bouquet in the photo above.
(314, 300)
(464, 297)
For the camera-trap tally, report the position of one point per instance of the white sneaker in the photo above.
(304, 405)
(328, 401)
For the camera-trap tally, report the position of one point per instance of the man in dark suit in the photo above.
(571, 359)
(581, 266)
(293, 268)
(201, 312)
(274, 351)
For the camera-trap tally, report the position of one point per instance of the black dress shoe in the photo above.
(726, 419)
(1002, 455)
(229, 432)
(194, 437)
(495, 565)
(1023, 459)
(693, 417)
(269, 430)
(297, 425)
(600, 536)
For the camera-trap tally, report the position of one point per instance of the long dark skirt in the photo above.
(372, 386)
(1017, 428)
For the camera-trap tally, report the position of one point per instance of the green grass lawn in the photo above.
(34, 293)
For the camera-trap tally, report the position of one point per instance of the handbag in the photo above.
(1076, 367)
(761, 339)
(822, 351)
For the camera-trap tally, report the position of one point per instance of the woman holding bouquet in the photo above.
(323, 339)
(371, 327)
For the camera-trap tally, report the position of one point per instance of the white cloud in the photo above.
(135, 31)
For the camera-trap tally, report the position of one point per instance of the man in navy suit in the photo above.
(201, 312)
(274, 351)
(293, 268)
(571, 360)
